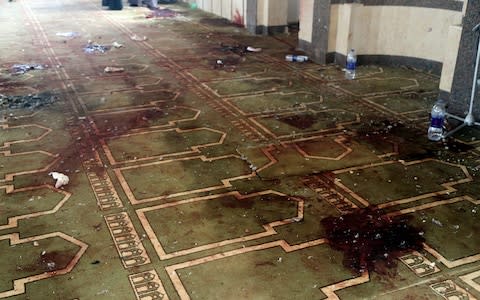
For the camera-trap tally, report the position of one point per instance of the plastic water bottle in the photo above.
(435, 131)
(296, 58)
(351, 65)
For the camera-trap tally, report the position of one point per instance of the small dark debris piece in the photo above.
(95, 262)
(237, 49)
(98, 226)
(228, 63)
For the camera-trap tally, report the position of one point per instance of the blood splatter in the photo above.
(49, 261)
(301, 121)
(238, 19)
(370, 240)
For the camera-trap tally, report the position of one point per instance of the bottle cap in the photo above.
(441, 102)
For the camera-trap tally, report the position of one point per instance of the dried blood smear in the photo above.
(370, 240)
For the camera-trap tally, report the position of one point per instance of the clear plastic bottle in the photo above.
(351, 65)
(435, 131)
(296, 58)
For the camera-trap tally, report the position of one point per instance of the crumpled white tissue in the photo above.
(62, 179)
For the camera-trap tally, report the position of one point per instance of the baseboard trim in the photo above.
(444, 4)
(430, 66)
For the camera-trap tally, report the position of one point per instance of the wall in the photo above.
(259, 16)
(421, 33)
(233, 10)
(461, 91)
(272, 16)
(450, 58)
(277, 12)
(293, 11)
(306, 22)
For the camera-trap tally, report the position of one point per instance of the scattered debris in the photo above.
(219, 63)
(92, 47)
(18, 69)
(102, 292)
(97, 227)
(297, 219)
(51, 265)
(138, 38)
(35, 243)
(113, 69)
(228, 63)
(62, 179)
(117, 45)
(437, 222)
(70, 34)
(31, 101)
(238, 49)
(162, 13)
(251, 49)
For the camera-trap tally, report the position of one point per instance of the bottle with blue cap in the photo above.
(351, 66)
(296, 58)
(435, 131)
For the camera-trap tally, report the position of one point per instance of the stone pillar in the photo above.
(464, 70)
(314, 27)
(251, 17)
(452, 44)
(271, 16)
(292, 14)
